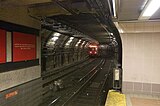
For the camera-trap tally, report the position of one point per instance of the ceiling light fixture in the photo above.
(151, 7)
(114, 8)
(56, 34)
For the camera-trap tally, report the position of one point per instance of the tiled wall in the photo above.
(144, 88)
(141, 57)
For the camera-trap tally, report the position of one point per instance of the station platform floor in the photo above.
(142, 99)
(131, 99)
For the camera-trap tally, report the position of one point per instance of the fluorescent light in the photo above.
(78, 42)
(151, 7)
(56, 34)
(55, 38)
(114, 8)
(71, 38)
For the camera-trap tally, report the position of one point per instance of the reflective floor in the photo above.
(142, 100)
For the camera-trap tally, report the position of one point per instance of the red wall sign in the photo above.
(11, 94)
(24, 46)
(2, 46)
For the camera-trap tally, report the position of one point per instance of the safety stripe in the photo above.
(115, 98)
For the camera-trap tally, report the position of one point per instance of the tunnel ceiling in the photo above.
(86, 23)
(83, 15)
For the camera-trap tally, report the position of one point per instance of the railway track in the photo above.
(72, 81)
(90, 93)
(83, 87)
(50, 78)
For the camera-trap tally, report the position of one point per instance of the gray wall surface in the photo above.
(141, 50)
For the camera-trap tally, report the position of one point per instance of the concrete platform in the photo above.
(131, 99)
(142, 99)
(115, 98)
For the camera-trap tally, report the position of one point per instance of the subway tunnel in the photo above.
(76, 52)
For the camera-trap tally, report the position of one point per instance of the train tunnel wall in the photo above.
(141, 58)
(20, 73)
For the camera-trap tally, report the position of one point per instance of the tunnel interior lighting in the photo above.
(83, 42)
(69, 41)
(86, 45)
(71, 38)
(151, 7)
(82, 45)
(56, 34)
(54, 38)
(78, 42)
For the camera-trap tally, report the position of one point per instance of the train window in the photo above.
(93, 49)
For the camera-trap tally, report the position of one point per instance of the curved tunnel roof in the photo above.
(86, 23)
(91, 20)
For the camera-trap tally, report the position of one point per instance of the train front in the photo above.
(93, 50)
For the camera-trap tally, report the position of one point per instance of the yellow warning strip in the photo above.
(115, 99)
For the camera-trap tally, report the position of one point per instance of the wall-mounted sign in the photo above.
(2, 46)
(11, 94)
(24, 46)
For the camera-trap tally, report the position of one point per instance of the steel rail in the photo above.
(92, 76)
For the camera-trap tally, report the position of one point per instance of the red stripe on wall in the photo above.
(2, 46)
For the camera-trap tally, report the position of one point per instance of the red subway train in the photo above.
(93, 50)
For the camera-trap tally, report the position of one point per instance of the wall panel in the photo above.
(24, 47)
(141, 60)
(2, 46)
